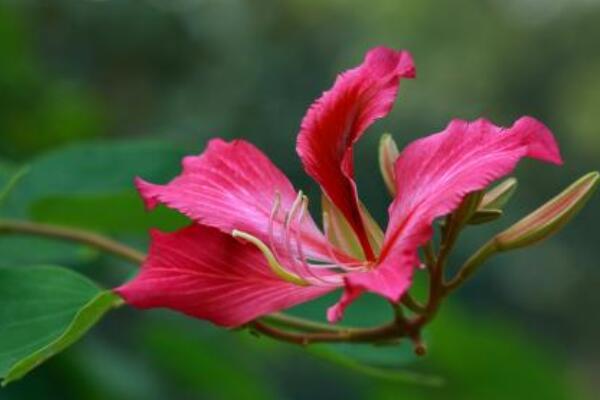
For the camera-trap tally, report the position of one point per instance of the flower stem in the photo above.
(301, 324)
(356, 335)
(91, 239)
(471, 265)
(412, 304)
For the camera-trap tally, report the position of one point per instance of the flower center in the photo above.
(285, 252)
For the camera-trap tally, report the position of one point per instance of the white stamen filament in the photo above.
(302, 271)
(274, 214)
(299, 248)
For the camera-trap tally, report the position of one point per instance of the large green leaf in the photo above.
(44, 310)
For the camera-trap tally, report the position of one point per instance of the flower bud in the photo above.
(550, 217)
(388, 152)
(497, 197)
(338, 230)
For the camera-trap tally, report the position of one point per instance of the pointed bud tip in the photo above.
(388, 153)
(499, 195)
(550, 217)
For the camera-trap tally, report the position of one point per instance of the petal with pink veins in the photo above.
(433, 175)
(338, 119)
(233, 185)
(207, 274)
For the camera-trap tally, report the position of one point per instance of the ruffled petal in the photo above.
(233, 185)
(207, 274)
(433, 175)
(337, 120)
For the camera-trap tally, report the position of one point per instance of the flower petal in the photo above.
(433, 175)
(207, 274)
(234, 186)
(337, 120)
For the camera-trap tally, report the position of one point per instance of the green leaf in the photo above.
(94, 168)
(45, 310)
(126, 215)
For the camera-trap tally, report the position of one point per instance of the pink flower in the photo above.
(253, 248)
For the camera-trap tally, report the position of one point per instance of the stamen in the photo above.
(275, 266)
(289, 218)
(272, 217)
(299, 248)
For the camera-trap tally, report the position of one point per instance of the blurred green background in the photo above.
(93, 93)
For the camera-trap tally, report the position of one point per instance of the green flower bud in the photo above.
(549, 218)
(388, 152)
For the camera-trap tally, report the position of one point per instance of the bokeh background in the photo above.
(93, 93)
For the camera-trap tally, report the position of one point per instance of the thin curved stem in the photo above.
(413, 305)
(301, 324)
(471, 265)
(430, 256)
(91, 239)
(358, 335)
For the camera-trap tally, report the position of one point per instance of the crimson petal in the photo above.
(207, 274)
(338, 119)
(233, 185)
(433, 175)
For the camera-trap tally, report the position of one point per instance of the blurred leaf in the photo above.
(332, 353)
(45, 310)
(96, 168)
(384, 355)
(94, 370)
(204, 364)
(112, 213)
(17, 250)
(10, 184)
(7, 170)
(488, 358)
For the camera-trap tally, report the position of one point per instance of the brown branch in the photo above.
(356, 335)
(73, 235)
